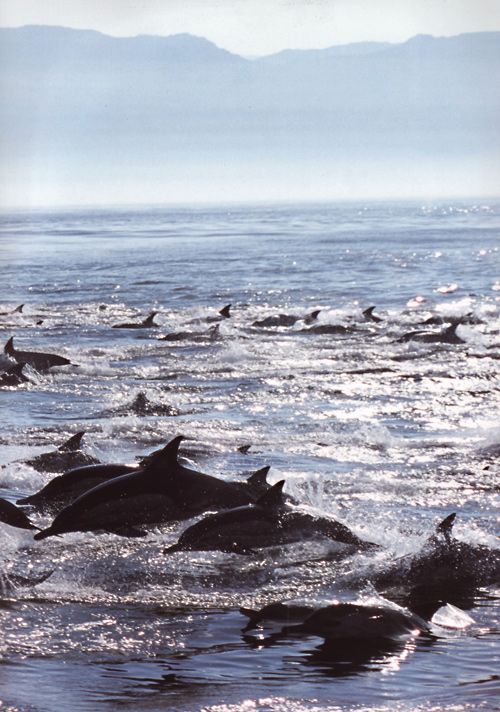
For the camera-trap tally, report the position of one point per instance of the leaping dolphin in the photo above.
(161, 490)
(268, 522)
(37, 360)
(65, 488)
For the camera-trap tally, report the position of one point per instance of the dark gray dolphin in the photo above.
(351, 621)
(17, 310)
(142, 406)
(211, 334)
(438, 320)
(66, 456)
(444, 570)
(267, 522)
(161, 490)
(37, 360)
(13, 516)
(13, 376)
(64, 489)
(286, 319)
(147, 323)
(447, 336)
(370, 316)
(329, 329)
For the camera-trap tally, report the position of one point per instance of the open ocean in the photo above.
(388, 437)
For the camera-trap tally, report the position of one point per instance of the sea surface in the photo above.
(385, 436)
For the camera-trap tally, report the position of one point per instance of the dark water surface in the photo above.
(386, 437)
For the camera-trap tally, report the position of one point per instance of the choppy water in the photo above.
(387, 437)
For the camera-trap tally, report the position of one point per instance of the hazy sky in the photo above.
(257, 27)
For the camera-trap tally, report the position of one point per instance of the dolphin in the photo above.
(37, 360)
(267, 522)
(370, 316)
(13, 516)
(67, 455)
(141, 405)
(161, 490)
(287, 319)
(65, 488)
(444, 570)
(147, 323)
(17, 310)
(351, 621)
(438, 320)
(329, 329)
(447, 336)
(14, 376)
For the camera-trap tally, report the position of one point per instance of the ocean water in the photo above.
(388, 437)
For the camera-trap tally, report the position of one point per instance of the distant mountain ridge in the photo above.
(76, 98)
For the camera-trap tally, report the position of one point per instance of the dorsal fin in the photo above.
(446, 526)
(451, 329)
(225, 311)
(140, 401)
(73, 443)
(18, 309)
(273, 497)
(368, 312)
(149, 319)
(167, 455)
(314, 314)
(259, 478)
(9, 346)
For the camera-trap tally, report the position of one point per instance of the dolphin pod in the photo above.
(270, 521)
(159, 491)
(37, 360)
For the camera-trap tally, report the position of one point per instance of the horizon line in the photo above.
(246, 56)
